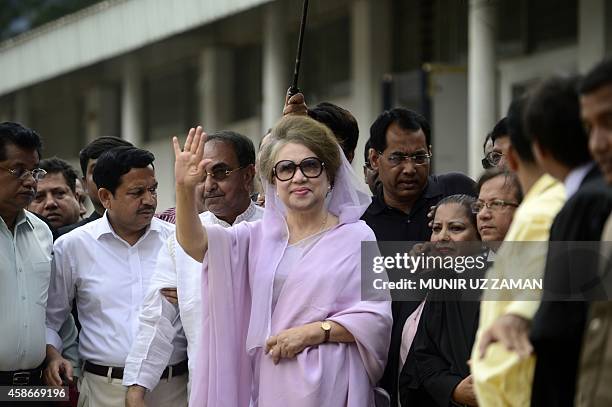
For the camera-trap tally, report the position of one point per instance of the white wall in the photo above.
(523, 70)
(449, 120)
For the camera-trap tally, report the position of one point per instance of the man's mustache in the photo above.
(146, 209)
(206, 196)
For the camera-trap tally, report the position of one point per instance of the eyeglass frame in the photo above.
(488, 205)
(486, 164)
(227, 173)
(409, 157)
(299, 165)
(491, 160)
(26, 173)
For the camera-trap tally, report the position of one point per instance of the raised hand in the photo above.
(189, 165)
(189, 171)
(295, 104)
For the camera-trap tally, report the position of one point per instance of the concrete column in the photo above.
(276, 68)
(481, 79)
(591, 33)
(100, 116)
(5, 115)
(22, 109)
(214, 87)
(131, 102)
(371, 59)
(91, 119)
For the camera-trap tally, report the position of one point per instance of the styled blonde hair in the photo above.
(307, 132)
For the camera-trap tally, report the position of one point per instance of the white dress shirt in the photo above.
(160, 321)
(575, 177)
(109, 279)
(25, 268)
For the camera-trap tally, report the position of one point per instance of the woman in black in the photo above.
(436, 372)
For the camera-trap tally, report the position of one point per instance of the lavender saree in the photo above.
(239, 268)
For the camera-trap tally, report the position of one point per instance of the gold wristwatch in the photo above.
(326, 327)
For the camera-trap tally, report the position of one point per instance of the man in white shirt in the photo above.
(107, 266)
(227, 190)
(26, 247)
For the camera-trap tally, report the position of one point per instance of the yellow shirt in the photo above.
(501, 378)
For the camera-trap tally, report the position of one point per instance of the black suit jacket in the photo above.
(557, 327)
(65, 229)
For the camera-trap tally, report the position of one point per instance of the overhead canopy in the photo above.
(100, 32)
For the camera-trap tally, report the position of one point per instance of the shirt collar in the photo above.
(575, 177)
(543, 183)
(378, 201)
(94, 216)
(22, 218)
(491, 256)
(103, 227)
(433, 188)
(247, 214)
(244, 216)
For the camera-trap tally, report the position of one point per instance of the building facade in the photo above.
(147, 70)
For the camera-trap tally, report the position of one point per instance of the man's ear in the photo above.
(106, 197)
(540, 154)
(374, 158)
(512, 159)
(84, 183)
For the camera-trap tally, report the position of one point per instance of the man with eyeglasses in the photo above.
(487, 147)
(400, 139)
(496, 145)
(26, 250)
(227, 187)
(499, 194)
(369, 174)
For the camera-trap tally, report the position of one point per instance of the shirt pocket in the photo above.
(38, 281)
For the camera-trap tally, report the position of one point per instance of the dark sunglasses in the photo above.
(311, 167)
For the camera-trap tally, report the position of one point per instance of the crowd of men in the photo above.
(110, 301)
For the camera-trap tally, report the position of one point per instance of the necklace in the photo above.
(308, 235)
